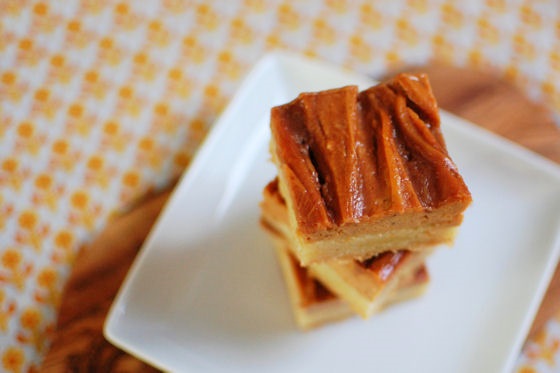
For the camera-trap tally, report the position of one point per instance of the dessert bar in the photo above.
(366, 172)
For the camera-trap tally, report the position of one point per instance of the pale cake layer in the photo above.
(368, 245)
(411, 287)
(313, 305)
(360, 163)
(364, 285)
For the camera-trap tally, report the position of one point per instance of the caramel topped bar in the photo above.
(351, 162)
(313, 304)
(364, 285)
(349, 156)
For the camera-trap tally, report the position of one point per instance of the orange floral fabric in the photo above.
(101, 100)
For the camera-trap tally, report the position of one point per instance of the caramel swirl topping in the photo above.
(348, 156)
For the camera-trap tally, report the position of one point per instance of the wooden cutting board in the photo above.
(78, 343)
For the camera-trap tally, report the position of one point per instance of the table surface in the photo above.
(78, 343)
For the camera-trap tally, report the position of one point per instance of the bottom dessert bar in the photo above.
(364, 285)
(314, 305)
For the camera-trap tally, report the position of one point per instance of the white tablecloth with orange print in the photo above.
(102, 100)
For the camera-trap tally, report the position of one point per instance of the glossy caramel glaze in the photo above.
(384, 265)
(349, 156)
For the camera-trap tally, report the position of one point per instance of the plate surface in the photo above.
(206, 294)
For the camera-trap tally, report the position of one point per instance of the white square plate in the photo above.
(205, 293)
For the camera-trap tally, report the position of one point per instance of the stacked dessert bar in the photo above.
(365, 190)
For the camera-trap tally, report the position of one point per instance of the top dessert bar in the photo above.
(366, 172)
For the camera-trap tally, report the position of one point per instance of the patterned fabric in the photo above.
(542, 354)
(102, 100)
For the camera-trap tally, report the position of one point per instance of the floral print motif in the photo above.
(102, 100)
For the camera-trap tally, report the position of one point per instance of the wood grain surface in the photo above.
(78, 343)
